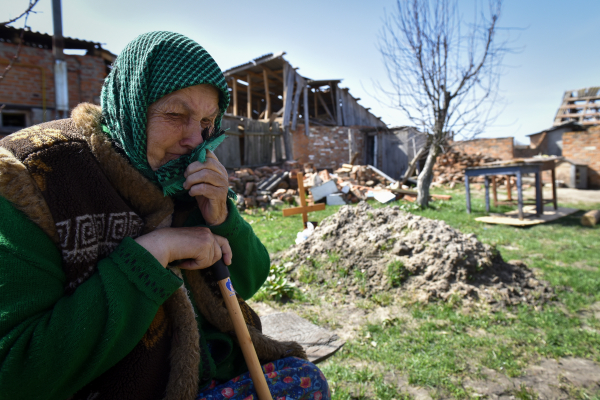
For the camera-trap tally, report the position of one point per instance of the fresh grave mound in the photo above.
(362, 251)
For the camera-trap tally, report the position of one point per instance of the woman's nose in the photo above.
(193, 136)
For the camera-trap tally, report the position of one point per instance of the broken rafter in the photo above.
(267, 95)
(235, 98)
(325, 106)
(273, 74)
(259, 76)
(305, 112)
(249, 98)
(300, 83)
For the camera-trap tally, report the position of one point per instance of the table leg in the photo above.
(520, 194)
(508, 188)
(539, 198)
(468, 190)
(554, 188)
(494, 192)
(487, 194)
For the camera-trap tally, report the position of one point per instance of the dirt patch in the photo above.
(364, 252)
(566, 378)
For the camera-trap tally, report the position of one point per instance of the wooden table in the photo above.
(528, 166)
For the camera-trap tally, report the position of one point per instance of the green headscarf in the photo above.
(152, 66)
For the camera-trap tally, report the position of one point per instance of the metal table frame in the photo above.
(518, 170)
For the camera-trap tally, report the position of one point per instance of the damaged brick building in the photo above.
(575, 136)
(28, 90)
(314, 121)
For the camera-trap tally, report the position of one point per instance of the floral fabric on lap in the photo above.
(288, 378)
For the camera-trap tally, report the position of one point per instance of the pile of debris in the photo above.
(276, 186)
(361, 251)
(264, 186)
(450, 166)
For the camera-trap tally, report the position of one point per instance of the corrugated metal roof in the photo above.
(260, 60)
(8, 34)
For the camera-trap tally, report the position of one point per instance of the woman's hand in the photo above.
(197, 247)
(208, 183)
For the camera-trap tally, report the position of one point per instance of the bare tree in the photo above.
(15, 57)
(443, 70)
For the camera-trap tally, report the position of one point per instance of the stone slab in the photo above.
(319, 343)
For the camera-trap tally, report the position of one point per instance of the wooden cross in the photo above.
(303, 209)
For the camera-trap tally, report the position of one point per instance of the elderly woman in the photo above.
(97, 211)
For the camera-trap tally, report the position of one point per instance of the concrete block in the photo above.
(335, 199)
(320, 192)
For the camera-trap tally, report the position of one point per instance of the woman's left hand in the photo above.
(208, 182)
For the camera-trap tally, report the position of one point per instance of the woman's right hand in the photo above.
(197, 247)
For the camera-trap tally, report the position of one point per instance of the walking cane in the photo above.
(221, 273)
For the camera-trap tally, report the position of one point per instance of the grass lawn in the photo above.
(437, 346)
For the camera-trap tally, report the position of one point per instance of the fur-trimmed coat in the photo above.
(68, 179)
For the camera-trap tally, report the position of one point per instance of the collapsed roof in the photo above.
(269, 88)
(582, 106)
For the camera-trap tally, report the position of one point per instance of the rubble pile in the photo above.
(449, 168)
(361, 251)
(263, 186)
(276, 186)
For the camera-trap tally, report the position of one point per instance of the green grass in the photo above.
(438, 345)
(278, 233)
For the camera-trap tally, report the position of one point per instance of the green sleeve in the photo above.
(52, 344)
(250, 263)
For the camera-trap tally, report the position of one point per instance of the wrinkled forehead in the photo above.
(204, 97)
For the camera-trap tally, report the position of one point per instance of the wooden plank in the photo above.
(288, 88)
(494, 191)
(333, 107)
(520, 194)
(288, 91)
(554, 187)
(228, 152)
(297, 210)
(468, 193)
(338, 106)
(318, 342)
(348, 108)
(267, 94)
(235, 97)
(249, 99)
(305, 112)
(529, 216)
(300, 83)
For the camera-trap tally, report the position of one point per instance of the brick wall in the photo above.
(326, 146)
(502, 148)
(585, 147)
(23, 84)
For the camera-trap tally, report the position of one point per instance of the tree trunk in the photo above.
(413, 164)
(426, 176)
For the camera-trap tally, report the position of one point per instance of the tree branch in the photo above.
(32, 4)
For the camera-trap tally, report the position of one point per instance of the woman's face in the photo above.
(176, 121)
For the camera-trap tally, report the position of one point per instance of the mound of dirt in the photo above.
(361, 251)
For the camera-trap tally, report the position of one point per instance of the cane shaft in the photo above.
(243, 336)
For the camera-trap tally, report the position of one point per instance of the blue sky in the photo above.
(338, 39)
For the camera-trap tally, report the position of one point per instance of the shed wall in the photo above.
(584, 147)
